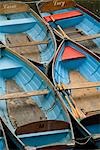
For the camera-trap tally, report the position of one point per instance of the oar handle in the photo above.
(60, 28)
(72, 108)
(77, 112)
(81, 114)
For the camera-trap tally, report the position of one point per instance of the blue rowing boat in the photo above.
(76, 73)
(70, 20)
(24, 31)
(30, 105)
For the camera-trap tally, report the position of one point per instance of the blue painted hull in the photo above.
(25, 27)
(72, 71)
(18, 75)
(85, 24)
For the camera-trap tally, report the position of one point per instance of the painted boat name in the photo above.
(5, 6)
(58, 3)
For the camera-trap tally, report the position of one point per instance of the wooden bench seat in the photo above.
(28, 44)
(79, 85)
(23, 94)
(42, 126)
(64, 15)
(17, 21)
(87, 37)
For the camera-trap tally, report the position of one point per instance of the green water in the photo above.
(92, 5)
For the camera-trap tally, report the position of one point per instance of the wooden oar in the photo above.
(75, 110)
(83, 38)
(60, 28)
(80, 113)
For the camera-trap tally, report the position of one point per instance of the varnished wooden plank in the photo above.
(12, 7)
(28, 44)
(42, 126)
(23, 94)
(79, 85)
(87, 37)
(53, 5)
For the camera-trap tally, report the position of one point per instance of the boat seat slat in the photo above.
(17, 22)
(28, 44)
(87, 37)
(79, 85)
(42, 126)
(64, 15)
(23, 94)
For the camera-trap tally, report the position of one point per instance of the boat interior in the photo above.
(77, 24)
(26, 32)
(92, 123)
(79, 73)
(28, 97)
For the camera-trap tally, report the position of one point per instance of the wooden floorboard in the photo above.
(24, 111)
(30, 52)
(86, 99)
(72, 32)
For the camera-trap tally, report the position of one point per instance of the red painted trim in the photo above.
(64, 15)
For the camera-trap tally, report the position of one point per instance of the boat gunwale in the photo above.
(76, 5)
(44, 77)
(79, 45)
(53, 64)
(46, 25)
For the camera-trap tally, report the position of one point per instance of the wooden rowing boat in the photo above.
(76, 73)
(24, 31)
(30, 105)
(70, 20)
